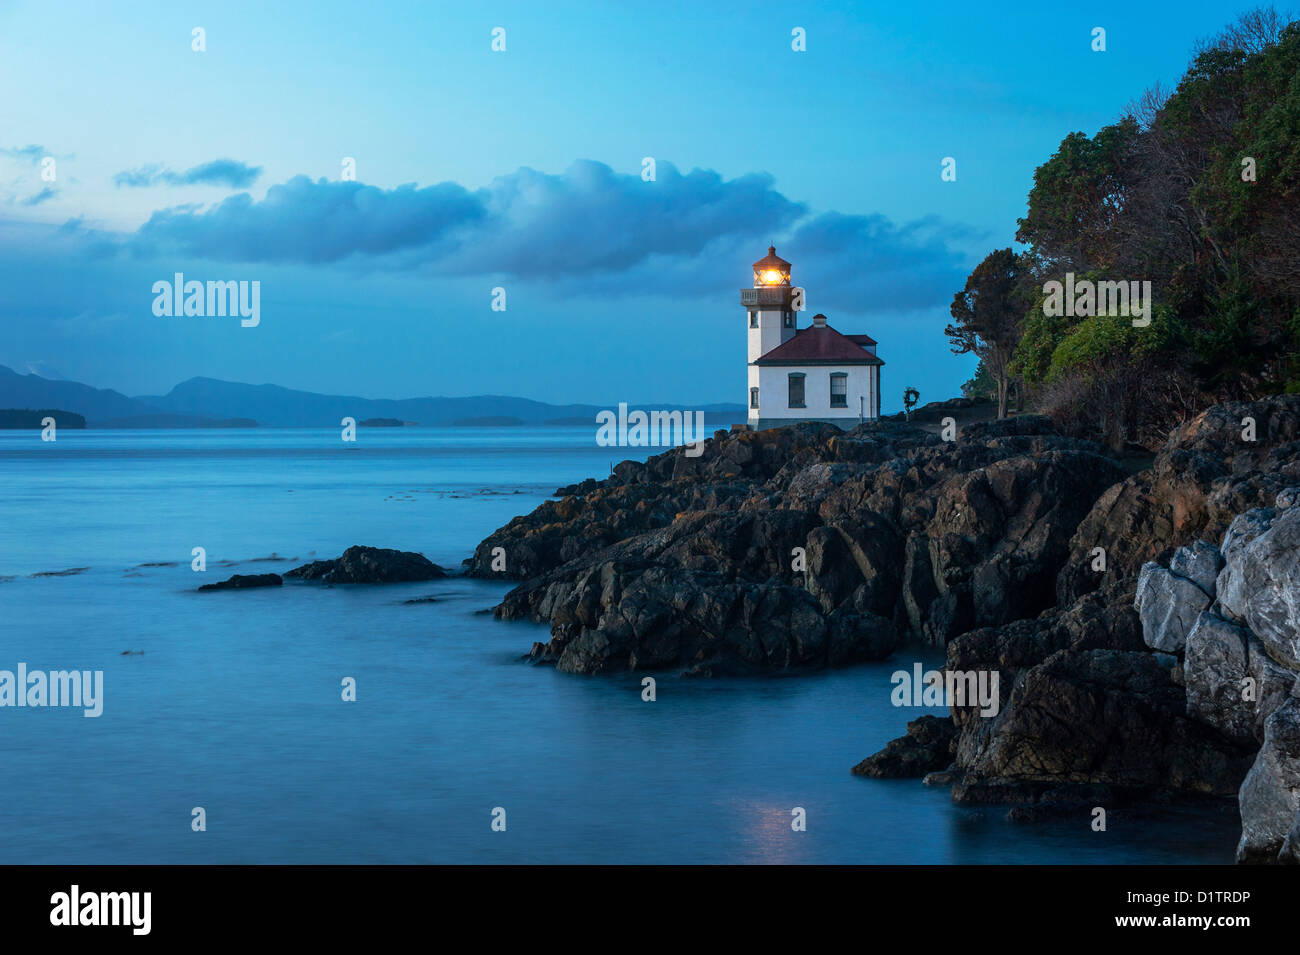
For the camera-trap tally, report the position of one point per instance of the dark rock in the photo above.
(245, 581)
(630, 616)
(1104, 716)
(1202, 478)
(370, 565)
(1085, 704)
(807, 507)
(924, 751)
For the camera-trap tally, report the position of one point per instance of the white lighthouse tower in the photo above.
(771, 317)
(809, 374)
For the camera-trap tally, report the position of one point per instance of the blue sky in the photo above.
(522, 169)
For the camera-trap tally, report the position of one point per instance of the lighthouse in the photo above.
(810, 374)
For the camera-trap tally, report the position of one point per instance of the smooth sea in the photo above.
(231, 701)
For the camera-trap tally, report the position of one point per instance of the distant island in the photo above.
(211, 403)
(25, 418)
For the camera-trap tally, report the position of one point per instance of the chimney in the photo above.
(819, 320)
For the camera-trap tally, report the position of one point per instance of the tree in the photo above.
(989, 312)
(910, 397)
(981, 386)
(1107, 376)
(1197, 191)
(1078, 196)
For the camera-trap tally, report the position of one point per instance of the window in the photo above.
(796, 389)
(753, 319)
(753, 397)
(839, 389)
(789, 319)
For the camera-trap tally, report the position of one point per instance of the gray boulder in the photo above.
(1260, 582)
(1287, 497)
(1270, 796)
(1221, 657)
(1168, 606)
(1199, 562)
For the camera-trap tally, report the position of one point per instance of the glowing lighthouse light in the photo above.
(771, 270)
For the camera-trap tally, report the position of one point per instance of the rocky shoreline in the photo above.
(1145, 628)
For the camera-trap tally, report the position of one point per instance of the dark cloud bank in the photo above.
(589, 226)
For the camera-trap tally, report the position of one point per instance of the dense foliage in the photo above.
(1197, 192)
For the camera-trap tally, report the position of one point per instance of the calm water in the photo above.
(232, 701)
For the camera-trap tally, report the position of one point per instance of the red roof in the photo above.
(824, 345)
(862, 339)
(772, 261)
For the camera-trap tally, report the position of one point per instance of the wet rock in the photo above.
(630, 616)
(925, 750)
(370, 565)
(245, 581)
(1104, 716)
(1085, 703)
(991, 516)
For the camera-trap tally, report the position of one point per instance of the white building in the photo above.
(808, 374)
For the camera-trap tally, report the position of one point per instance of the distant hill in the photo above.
(212, 403)
(492, 421)
(25, 418)
(33, 391)
(275, 406)
(100, 407)
(162, 419)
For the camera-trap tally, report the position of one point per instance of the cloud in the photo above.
(219, 172)
(32, 154)
(857, 263)
(591, 220)
(866, 262)
(303, 221)
(587, 232)
(35, 200)
(588, 220)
